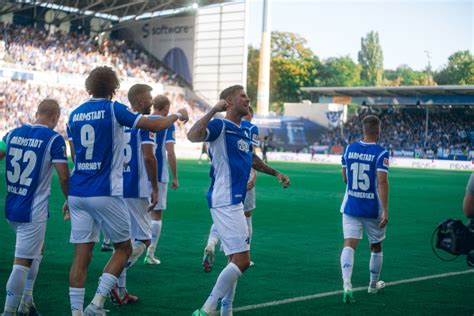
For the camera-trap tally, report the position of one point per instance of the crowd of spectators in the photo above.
(59, 52)
(70, 53)
(19, 101)
(404, 129)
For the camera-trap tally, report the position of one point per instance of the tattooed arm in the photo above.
(260, 166)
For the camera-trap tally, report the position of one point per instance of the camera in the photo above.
(456, 238)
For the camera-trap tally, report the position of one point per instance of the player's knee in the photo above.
(124, 247)
(23, 262)
(376, 247)
(352, 243)
(242, 261)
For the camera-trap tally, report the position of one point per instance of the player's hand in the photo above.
(174, 184)
(221, 106)
(251, 184)
(153, 200)
(383, 220)
(185, 117)
(66, 214)
(284, 180)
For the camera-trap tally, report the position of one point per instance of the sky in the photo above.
(407, 29)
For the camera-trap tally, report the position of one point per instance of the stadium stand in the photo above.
(76, 54)
(37, 49)
(404, 133)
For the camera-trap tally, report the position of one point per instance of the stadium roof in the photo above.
(392, 91)
(115, 10)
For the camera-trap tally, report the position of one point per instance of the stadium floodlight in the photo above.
(195, 5)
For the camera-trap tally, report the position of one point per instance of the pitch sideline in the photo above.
(364, 288)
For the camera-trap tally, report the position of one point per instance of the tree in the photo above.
(406, 76)
(460, 70)
(293, 65)
(371, 59)
(339, 72)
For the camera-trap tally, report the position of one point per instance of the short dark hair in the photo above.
(102, 82)
(136, 90)
(48, 108)
(230, 91)
(160, 101)
(370, 124)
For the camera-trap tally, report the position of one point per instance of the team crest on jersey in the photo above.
(386, 162)
(152, 135)
(243, 145)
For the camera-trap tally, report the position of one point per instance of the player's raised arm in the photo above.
(382, 188)
(197, 133)
(260, 166)
(160, 123)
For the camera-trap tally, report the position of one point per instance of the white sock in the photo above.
(249, 225)
(30, 281)
(122, 279)
(213, 237)
(155, 236)
(226, 303)
(76, 297)
(15, 287)
(227, 278)
(375, 266)
(347, 263)
(138, 249)
(107, 282)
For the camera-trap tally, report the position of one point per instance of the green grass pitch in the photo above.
(296, 247)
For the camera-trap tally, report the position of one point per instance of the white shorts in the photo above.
(29, 239)
(91, 214)
(162, 193)
(352, 228)
(231, 227)
(140, 220)
(249, 203)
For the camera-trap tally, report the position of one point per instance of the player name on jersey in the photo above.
(360, 156)
(361, 195)
(26, 142)
(89, 165)
(17, 190)
(89, 116)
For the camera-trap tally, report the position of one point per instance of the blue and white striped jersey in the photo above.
(362, 161)
(96, 129)
(252, 131)
(161, 138)
(231, 160)
(135, 178)
(31, 152)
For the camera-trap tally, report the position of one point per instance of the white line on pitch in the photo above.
(319, 295)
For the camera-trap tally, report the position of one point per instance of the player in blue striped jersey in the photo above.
(231, 160)
(249, 202)
(96, 135)
(32, 151)
(139, 172)
(365, 205)
(164, 152)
